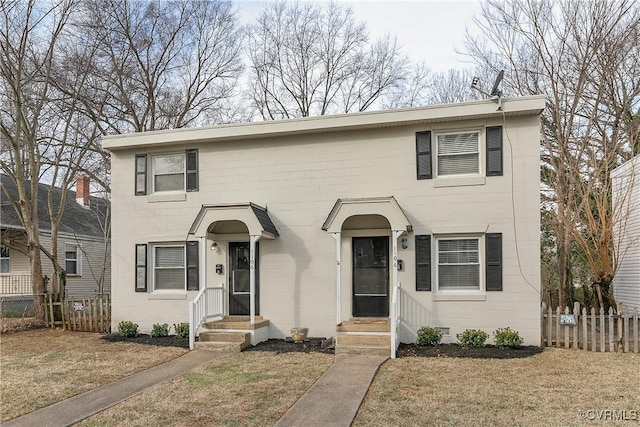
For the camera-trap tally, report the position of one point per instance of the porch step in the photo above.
(363, 350)
(364, 340)
(237, 323)
(365, 324)
(233, 342)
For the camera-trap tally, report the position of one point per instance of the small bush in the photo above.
(472, 338)
(507, 338)
(429, 336)
(159, 330)
(127, 329)
(182, 330)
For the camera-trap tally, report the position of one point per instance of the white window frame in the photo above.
(78, 259)
(154, 267)
(479, 152)
(481, 262)
(184, 172)
(7, 259)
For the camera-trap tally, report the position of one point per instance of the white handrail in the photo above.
(395, 318)
(208, 304)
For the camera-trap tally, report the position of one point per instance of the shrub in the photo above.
(507, 338)
(182, 330)
(159, 330)
(429, 336)
(127, 329)
(472, 338)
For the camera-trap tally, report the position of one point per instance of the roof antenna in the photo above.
(495, 94)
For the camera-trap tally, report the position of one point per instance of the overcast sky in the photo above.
(428, 30)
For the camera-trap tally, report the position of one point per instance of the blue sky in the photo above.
(428, 30)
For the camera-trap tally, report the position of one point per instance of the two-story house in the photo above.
(409, 217)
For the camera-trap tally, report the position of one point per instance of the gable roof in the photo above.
(75, 220)
(485, 109)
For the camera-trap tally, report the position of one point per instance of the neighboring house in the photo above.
(83, 250)
(311, 222)
(626, 201)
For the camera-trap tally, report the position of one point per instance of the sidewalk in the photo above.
(91, 402)
(332, 401)
(335, 398)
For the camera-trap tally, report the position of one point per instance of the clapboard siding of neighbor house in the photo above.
(345, 187)
(626, 201)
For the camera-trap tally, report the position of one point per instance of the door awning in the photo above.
(387, 207)
(255, 217)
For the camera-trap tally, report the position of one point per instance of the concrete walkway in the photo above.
(335, 398)
(91, 402)
(332, 401)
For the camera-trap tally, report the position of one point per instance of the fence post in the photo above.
(593, 330)
(543, 307)
(549, 326)
(576, 329)
(566, 330)
(602, 328)
(636, 325)
(558, 312)
(626, 331)
(612, 338)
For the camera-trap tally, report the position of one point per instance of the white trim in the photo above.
(252, 277)
(480, 149)
(153, 266)
(77, 260)
(481, 261)
(337, 236)
(153, 173)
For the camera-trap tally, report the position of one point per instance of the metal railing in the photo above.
(16, 284)
(396, 310)
(208, 304)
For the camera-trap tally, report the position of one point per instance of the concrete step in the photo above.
(220, 347)
(363, 350)
(233, 342)
(363, 340)
(236, 322)
(365, 324)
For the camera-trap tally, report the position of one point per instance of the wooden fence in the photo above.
(591, 330)
(79, 314)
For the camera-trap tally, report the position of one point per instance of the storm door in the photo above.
(239, 280)
(370, 276)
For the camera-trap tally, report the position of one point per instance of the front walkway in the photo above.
(332, 401)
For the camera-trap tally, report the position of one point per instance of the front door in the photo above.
(370, 276)
(239, 282)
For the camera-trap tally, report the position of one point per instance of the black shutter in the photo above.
(141, 175)
(423, 263)
(192, 266)
(493, 246)
(494, 151)
(192, 169)
(141, 268)
(423, 154)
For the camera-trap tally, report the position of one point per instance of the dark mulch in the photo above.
(170, 341)
(309, 345)
(312, 345)
(454, 350)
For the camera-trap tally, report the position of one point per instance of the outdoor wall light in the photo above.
(405, 243)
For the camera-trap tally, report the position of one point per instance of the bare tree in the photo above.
(584, 57)
(160, 65)
(309, 59)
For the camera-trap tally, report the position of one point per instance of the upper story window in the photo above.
(168, 173)
(459, 154)
(4, 260)
(173, 172)
(72, 260)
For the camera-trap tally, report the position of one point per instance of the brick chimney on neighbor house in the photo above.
(82, 191)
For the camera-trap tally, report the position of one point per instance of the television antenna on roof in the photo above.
(495, 94)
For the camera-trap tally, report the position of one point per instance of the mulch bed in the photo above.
(314, 345)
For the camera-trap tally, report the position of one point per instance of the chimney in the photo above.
(82, 191)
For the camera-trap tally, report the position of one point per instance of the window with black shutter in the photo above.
(494, 151)
(423, 155)
(192, 169)
(423, 263)
(192, 266)
(141, 268)
(141, 175)
(493, 246)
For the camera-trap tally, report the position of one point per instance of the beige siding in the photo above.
(626, 197)
(299, 178)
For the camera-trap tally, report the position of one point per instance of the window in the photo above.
(72, 257)
(170, 173)
(4, 260)
(174, 267)
(458, 264)
(458, 154)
